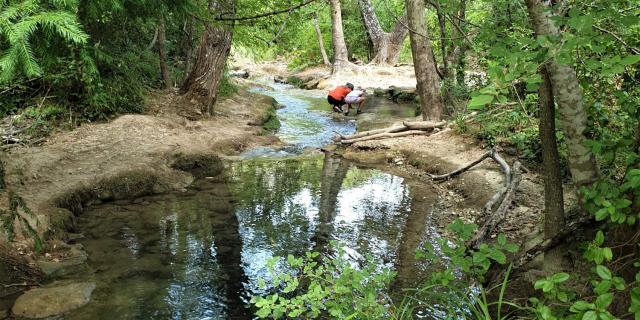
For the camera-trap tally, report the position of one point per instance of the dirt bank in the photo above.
(130, 156)
(467, 193)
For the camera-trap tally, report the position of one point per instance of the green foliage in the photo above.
(21, 21)
(314, 287)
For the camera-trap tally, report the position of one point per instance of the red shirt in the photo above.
(339, 93)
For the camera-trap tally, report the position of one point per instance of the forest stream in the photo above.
(201, 253)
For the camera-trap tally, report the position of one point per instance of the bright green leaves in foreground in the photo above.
(341, 288)
(21, 21)
(313, 287)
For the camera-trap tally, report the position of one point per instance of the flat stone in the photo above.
(74, 263)
(51, 301)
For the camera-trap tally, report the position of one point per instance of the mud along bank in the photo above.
(131, 156)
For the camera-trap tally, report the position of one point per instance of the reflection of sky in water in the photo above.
(369, 215)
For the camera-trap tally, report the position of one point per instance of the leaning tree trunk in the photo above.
(340, 53)
(213, 50)
(568, 93)
(428, 85)
(554, 220)
(386, 46)
(164, 70)
(325, 57)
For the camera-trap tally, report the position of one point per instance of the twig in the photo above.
(221, 17)
(633, 49)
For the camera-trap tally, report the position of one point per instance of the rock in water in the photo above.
(46, 302)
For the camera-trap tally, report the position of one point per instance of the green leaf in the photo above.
(560, 277)
(629, 60)
(604, 300)
(599, 238)
(478, 102)
(581, 306)
(590, 315)
(603, 272)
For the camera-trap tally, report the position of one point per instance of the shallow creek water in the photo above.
(200, 254)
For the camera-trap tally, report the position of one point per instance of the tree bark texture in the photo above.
(340, 53)
(212, 53)
(569, 96)
(325, 57)
(554, 220)
(386, 45)
(164, 69)
(188, 44)
(428, 84)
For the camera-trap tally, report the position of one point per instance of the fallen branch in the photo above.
(489, 154)
(461, 169)
(424, 125)
(498, 216)
(363, 134)
(386, 135)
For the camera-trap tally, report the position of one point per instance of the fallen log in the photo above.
(398, 128)
(386, 135)
(499, 214)
(424, 125)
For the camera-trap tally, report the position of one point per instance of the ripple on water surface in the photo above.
(200, 254)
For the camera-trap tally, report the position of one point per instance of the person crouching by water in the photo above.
(336, 96)
(355, 97)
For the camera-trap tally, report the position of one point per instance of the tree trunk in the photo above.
(554, 220)
(568, 93)
(428, 85)
(212, 53)
(164, 70)
(325, 58)
(443, 44)
(188, 43)
(386, 46)
(340, 53)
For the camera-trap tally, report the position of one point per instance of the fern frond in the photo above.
(19, 10)
(8, 64)
(64, 4)
(63, 23)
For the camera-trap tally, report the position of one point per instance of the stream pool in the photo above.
(200, 254)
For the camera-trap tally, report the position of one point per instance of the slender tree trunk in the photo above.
(188, 43)
(428, 85)
(164, 69)
(443, 43)
(554, 220)
(568, 93)
(340, 53)
(386, 46)
(456, 54)
(325, 57)
(213, 50)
